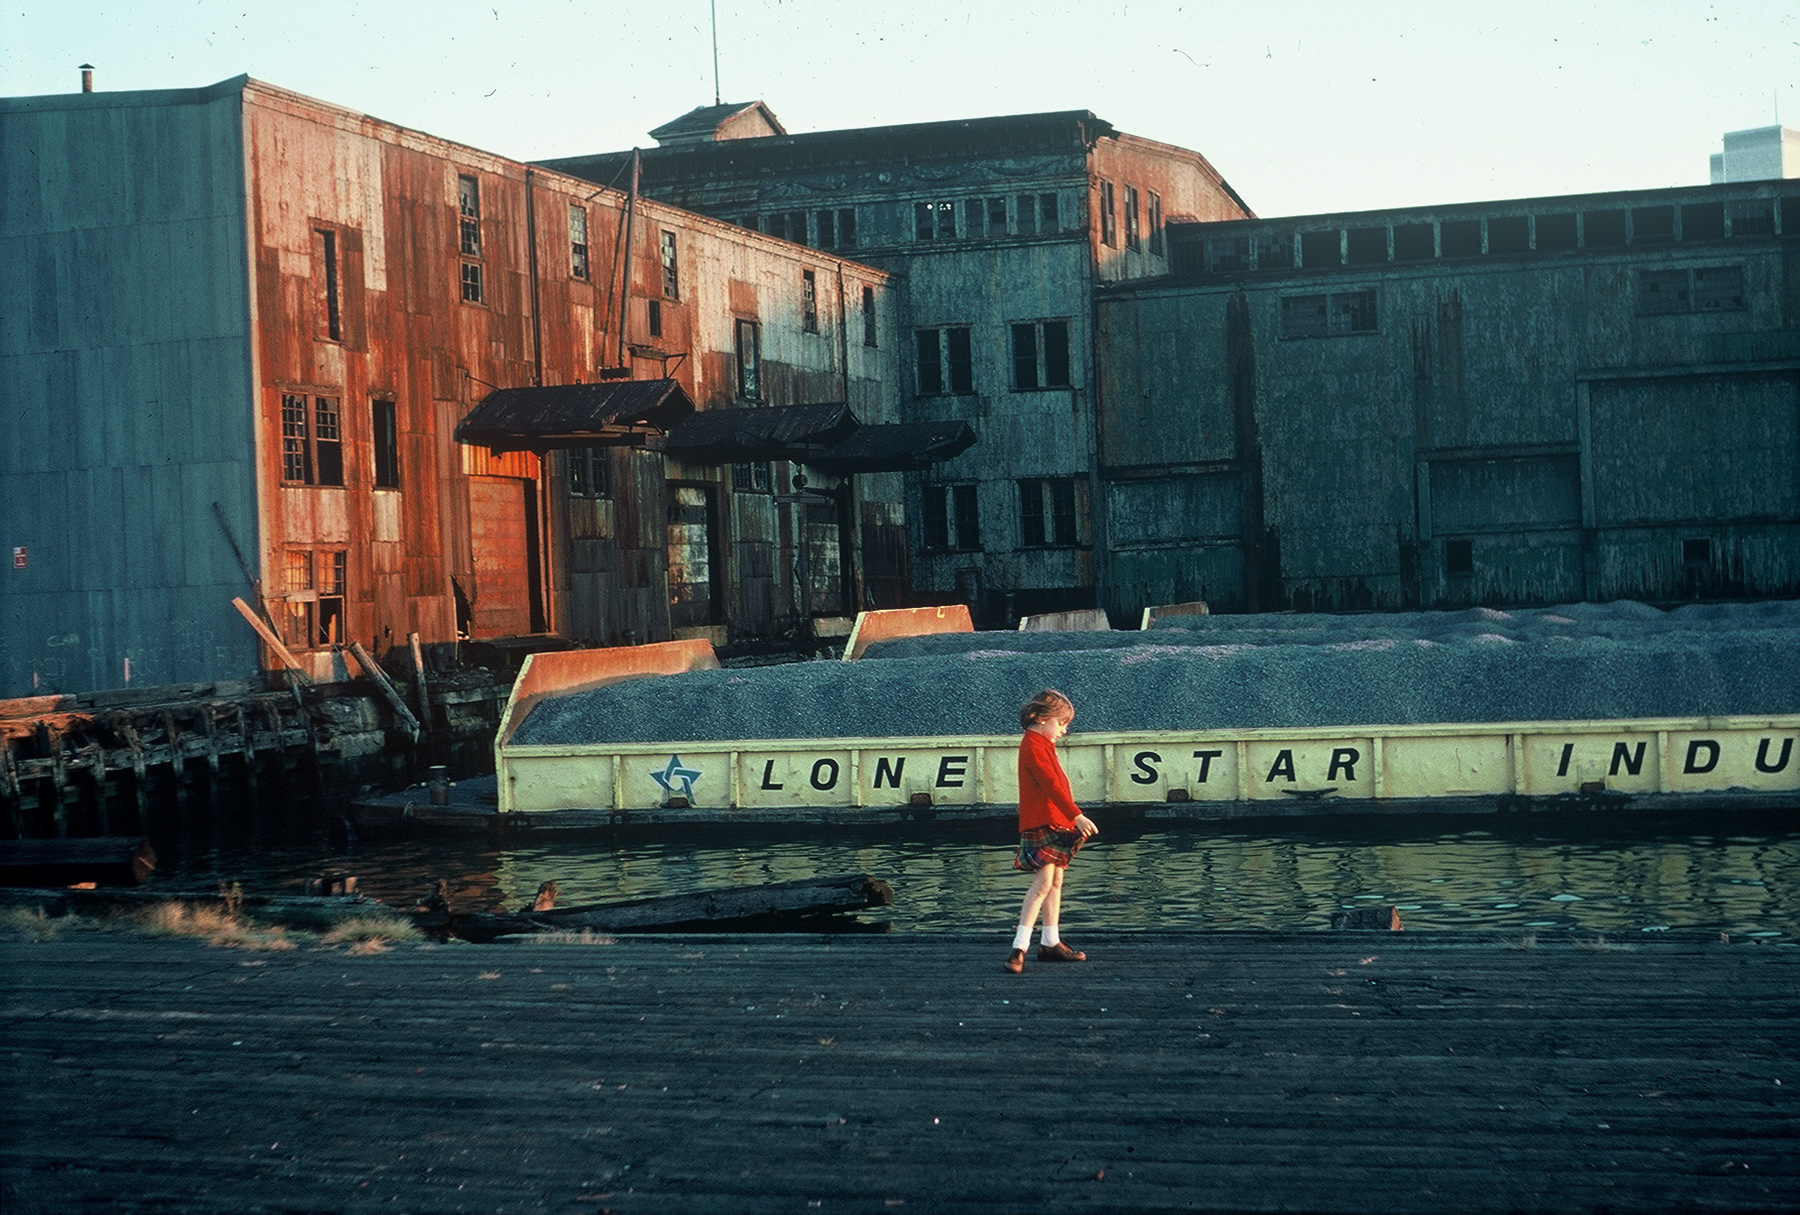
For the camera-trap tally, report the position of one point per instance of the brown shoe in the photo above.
(1015, 961)
(1059, 952)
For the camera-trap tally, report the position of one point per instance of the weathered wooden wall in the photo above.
(123, 425)
(1502, 426)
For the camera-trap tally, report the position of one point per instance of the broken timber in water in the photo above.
(809, 904)
(102, 861)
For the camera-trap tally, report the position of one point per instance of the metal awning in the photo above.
(612, 413)
(776, 432)
(897, 447)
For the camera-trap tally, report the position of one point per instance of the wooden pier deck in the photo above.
(1353, 1072)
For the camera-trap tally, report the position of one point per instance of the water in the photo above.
(1735, 874)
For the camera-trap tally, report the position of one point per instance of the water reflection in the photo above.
(1618, 877)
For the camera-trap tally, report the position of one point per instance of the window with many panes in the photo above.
(946, 361)
(1131, 217)
(1047, 512)
(753, 477)
(749, 360)
(1329, 315)
(312, 440)
(1040, 353)
(384, 430)
(952, 521)
(468, 209)
(590, 473)
(578, 241)
(934, 220)
(671, 282)
(314, 598)
(1109, 223)
(809, 302)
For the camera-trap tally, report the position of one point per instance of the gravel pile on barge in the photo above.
(1569, 663)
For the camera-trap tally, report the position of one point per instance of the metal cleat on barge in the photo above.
(1197, 717)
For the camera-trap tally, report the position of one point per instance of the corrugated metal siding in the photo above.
(124, 424)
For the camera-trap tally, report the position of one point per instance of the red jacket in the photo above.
(1044, 796)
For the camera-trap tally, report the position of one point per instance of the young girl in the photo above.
(1051, 826)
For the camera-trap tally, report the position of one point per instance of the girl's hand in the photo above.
(1085, 825)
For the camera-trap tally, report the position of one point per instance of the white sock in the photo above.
(1050, 935)
(1022, 938)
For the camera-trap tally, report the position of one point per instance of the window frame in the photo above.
(578, 242)
(304, 449)
(1153, 201)
(325, 241)
(1049, 513)
(384, 438)
(948, 360)
(1044, 362)
(668, 252)
(1109, 221)
(951, 519)
(1133, 240)
(809, 301)
(749, 371)
(315, 609)
(588, 473)
(870, 332)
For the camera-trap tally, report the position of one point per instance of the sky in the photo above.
(1303, 107)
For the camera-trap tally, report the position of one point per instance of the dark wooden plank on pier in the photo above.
(1335, 1072)
(772, 905)
(104, 860)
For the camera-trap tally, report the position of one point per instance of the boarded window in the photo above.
(1509, 234)
(1661, 291)
(1718, 288)
(1321, 248)
(1695, 289)
(1303, 316)
(1414, 242)
(385, 431)
(1556, 231)
(1460, 237)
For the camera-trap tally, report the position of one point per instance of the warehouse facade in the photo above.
(997, 231)
(244, 327)
(1526, 402)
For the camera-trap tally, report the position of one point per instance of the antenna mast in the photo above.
(715, 32)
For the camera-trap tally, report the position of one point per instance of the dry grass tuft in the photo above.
(1528, 941)
(371, 934)
(587, 936)
(215, 925)
(1599, 944)
(30, 924)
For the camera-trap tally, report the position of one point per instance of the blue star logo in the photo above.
(673, 775)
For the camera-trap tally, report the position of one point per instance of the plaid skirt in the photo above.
(1042, 846)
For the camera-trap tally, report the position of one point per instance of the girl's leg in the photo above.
(1041, 885)
(1053, 908)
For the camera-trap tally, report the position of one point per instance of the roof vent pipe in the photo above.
(87, 77)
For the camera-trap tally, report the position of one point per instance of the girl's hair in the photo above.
(1046, 706)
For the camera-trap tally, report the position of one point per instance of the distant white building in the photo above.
(1757, 155)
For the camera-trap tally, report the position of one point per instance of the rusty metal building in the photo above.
(242, 328)
(1522, 402)
(997, 231)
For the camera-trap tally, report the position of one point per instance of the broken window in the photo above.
(1366, 245)
(996, 216)
(1228, 254)
(809, 302)
(578, 242)
(1040, 355)
(825, 220)
(1718, 288)
(1555, 231)
(1109, 224)
(385, 430)
(1652, 225)
(951, 519)
(314, 598)
(1602, 229)
(1321, 248)
(1156, 223)
(1027, 212)
(1131, 218)
(975, 217)
(312, 440)
(671, 273)
(846, 227)
(749, 360)
(935, 220)
(1702, 221)
(868, 315)
(1755, 217)
(776, 224)
(653, 315)
(1333, 315)
(1662, 291)
(471, 282)
(1459, 558)
(1414, 242)
(752, 477)
(1460, 237)
(468, 207)
(1049, 216)
(1274, 250)
(946, 361)
(1047, 512)
(1509, 234)
(590, 473)
(325, 254)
